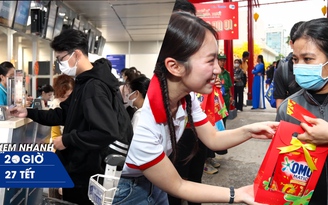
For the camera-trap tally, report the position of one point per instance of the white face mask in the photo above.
(66, 69)
(130, 102)
(236, 65)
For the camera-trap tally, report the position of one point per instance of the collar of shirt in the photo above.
(3, 88)
(156, 102)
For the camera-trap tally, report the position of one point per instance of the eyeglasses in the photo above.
(61, 59)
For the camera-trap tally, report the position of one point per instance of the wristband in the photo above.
(232, 195)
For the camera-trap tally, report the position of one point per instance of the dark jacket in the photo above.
(269, 74)
(238, 77)
(319, 108)
(283, 88)
(90, 123)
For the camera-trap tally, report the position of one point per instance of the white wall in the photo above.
(142, 55)
(22, 50)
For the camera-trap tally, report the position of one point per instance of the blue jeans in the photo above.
(138, 191)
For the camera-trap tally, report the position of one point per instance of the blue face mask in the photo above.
(309, 76)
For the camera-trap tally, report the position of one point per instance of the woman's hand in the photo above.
(315, 134)
(262, 130)
(18, 111)
(245, 194)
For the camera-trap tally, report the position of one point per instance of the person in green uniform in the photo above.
(226, 83)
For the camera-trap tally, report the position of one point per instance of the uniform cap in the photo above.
(222, 56)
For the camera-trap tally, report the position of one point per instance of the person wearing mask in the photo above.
(258, 99)
(92, 115)
(128, 75)
(238, 84)
(284, 88)
(46, 93)
(7, 70)
(138, 88)
(310, 57)
(148, 174)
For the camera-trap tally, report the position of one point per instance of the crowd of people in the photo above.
(172, 137)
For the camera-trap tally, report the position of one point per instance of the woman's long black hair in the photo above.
(317, 31)
(184, 37)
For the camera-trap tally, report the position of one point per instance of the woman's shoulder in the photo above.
(259, 65)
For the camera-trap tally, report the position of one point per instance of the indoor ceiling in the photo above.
(126, 20)
(137, 20)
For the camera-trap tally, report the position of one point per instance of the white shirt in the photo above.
(151, 139)
(135, 118)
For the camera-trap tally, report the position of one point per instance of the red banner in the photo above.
(222, 16)
(199, 1)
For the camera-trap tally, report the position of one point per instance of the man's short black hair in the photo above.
(70, 40)
(245, 54)
(184, 5)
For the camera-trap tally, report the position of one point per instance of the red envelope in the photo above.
(213, 105)
(298, 112)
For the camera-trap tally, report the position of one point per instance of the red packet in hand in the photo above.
(213, 105)
(298, 112)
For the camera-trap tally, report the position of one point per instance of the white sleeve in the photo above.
(147, 147)
(199, 117)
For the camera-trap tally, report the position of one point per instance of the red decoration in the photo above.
(199, 1)
(222, 16)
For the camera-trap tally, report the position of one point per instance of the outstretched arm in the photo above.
(219, 140)
(50, 117)
(165, 176)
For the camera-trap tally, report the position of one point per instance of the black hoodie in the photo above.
(90, 122)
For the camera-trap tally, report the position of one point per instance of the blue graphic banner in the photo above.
(118, 62)
(32, 169)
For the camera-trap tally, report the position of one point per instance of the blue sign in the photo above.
(7, 9)
(22, 12)
(32, 169)
(118, 62)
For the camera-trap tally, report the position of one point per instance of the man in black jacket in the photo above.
(285, 88)
(90, 115)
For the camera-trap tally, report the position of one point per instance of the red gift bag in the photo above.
(290, 169)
